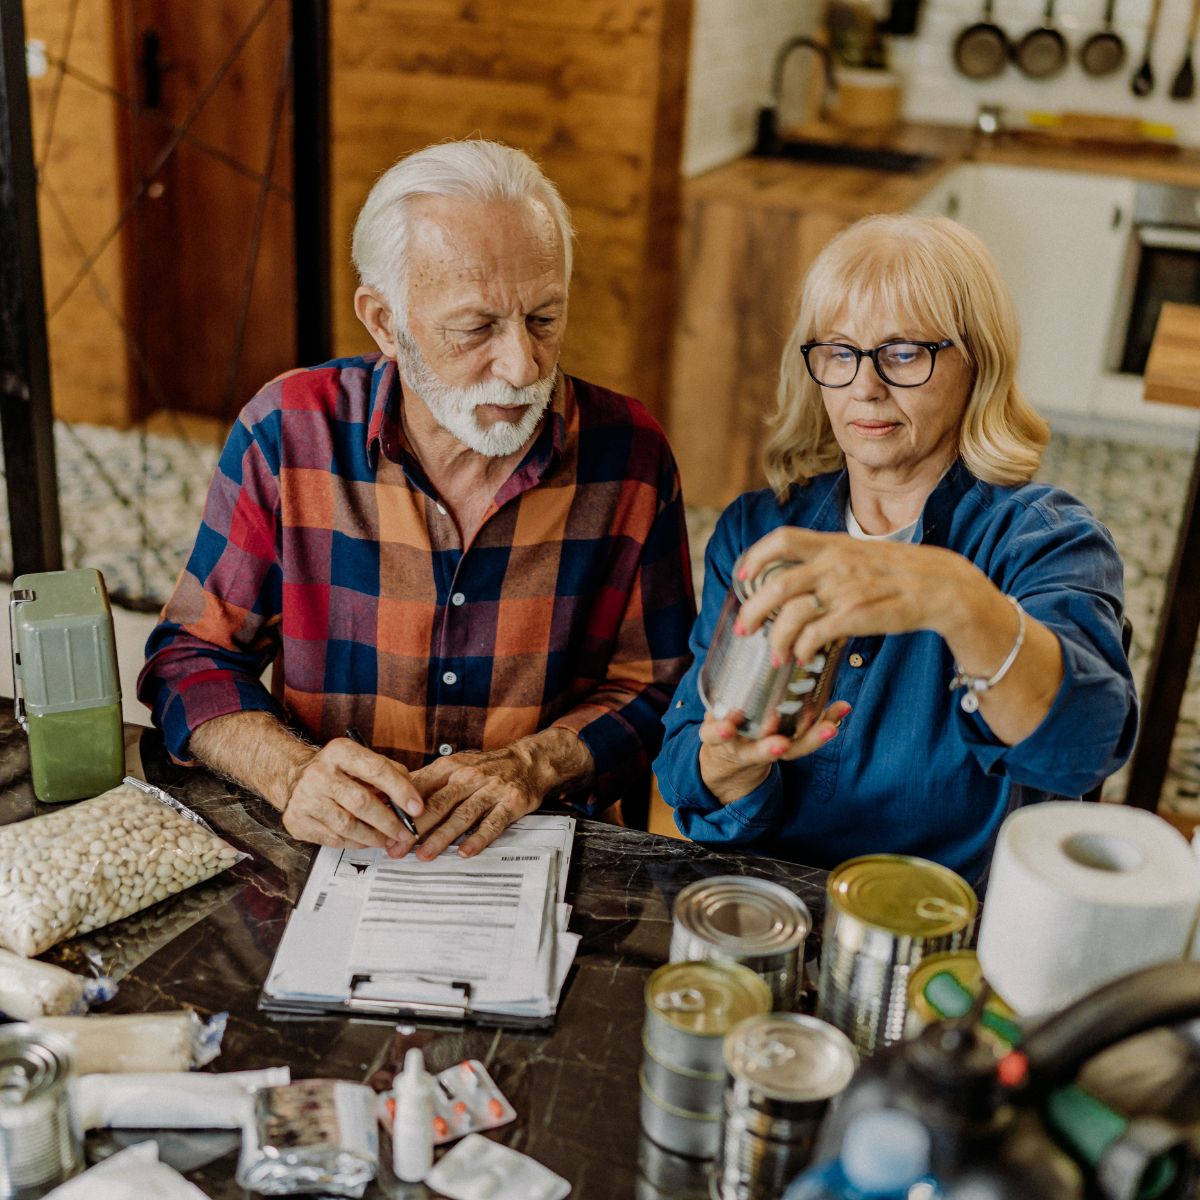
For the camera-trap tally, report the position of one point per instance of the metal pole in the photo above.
(26, 417)
(310, 178)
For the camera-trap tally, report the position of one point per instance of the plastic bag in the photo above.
(74, 870)
(167, 1041)
(31, 989)
(133, 1174)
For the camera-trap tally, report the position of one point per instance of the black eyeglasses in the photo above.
(902, 364)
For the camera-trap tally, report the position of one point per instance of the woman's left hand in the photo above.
(841, 587)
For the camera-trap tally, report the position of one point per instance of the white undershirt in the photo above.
(855, 530)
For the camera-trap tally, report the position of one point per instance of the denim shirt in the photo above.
(910, 772)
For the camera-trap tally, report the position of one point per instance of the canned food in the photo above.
(945, 986)
(39, 1143)
(784, 1068)
(690, 1006)
(884, 914)
(666, 1176)
(739, 681)
(754, 922)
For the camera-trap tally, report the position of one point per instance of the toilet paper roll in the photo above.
(1080, 894)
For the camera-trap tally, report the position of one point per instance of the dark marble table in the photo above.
(575, 1088)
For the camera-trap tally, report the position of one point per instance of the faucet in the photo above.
(768, 141)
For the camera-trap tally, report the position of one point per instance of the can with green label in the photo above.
(884, 913)
(690, 1007)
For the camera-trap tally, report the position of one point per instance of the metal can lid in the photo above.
(743, 589)
(706, 999)
(790, 1056)
(742, 916)
(32, 1063)
(902, 895)
(963, 966)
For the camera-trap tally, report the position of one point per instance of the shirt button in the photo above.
(445, 748)
(450, 677)
(441, 508)
(458, 599)
(855, 660)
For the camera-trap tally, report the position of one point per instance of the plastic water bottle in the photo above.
(885, 1156)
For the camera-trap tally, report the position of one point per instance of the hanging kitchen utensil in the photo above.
(1143, 79)
(982, 50)
(1183, 87)
(1042, 52)
(1104, 52)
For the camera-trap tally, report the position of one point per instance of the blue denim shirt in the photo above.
(910, 772)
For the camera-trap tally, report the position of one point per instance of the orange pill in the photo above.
(495, 1108)
(440, 1128)
(391, 1108)
(460, 1108)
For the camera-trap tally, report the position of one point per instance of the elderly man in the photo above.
(475, 560)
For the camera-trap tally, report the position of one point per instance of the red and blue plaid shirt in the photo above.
(324, 548)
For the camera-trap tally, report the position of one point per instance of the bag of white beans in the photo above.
(84, 866)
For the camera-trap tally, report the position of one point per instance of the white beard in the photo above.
(453, 408)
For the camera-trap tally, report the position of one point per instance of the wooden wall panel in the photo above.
(75, 143)
(593, 89)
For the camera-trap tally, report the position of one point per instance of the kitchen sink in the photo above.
(841, 154)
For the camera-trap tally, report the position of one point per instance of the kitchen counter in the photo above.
(575, 1089)
(855, 191)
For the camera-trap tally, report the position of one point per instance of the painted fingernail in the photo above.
(725, 734)
(739, 628)
(776, 660)
(828, 733)
(778, 750)
(743, 573)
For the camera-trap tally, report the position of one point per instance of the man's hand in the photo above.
(343, 796)
(492, 788)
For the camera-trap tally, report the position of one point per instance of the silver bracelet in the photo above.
(977, 684)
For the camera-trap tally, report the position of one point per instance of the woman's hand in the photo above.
(841, 587)
(732, 766)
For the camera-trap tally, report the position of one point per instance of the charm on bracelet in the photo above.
(976, 685)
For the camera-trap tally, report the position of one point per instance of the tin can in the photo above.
(39, 1143)
(884, 914)
(666, 1176)
(690, 1006)
(738, 680)
(945, 986)
(784, 1068)
(754, 922)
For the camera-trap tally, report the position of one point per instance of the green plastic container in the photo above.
(68, 690)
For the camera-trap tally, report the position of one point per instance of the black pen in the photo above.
(353, 734)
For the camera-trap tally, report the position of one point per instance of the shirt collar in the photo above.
(385, 431)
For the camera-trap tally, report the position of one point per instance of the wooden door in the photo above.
(206, 166)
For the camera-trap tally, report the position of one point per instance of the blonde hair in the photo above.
(936, 273)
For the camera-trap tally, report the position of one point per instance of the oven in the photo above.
(1163, 265)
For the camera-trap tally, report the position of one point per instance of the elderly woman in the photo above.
(983, 665)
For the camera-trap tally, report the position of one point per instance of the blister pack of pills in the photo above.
(479, 1169)
(465, 1100)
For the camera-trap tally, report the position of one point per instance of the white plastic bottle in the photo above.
(412, 1127)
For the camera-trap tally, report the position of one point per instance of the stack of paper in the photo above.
(483, 937)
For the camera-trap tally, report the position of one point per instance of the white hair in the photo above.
(468, 170)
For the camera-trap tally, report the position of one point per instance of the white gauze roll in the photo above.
(1080, 894)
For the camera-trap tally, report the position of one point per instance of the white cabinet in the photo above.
(1060, 239)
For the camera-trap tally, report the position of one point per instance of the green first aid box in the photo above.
(68, 691)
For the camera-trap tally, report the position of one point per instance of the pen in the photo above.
(353, 734)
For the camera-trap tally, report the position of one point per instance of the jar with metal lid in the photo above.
(783, 1070)
(884, 913)
(40, 1145)
(690, 1006)
(739, 681)
(740, 919)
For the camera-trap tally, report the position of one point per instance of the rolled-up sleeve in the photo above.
(1063, 567)
(219, 629)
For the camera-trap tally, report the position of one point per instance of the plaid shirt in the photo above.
(323, 547)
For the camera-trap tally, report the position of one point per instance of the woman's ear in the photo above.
(376, 315)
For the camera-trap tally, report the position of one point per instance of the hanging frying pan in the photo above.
(1103, 52)
(1042, 52)
(982, 50)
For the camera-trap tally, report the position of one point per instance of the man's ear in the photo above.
(376, 314)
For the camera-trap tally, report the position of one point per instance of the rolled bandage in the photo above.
(30, 989)
(169, 1041)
